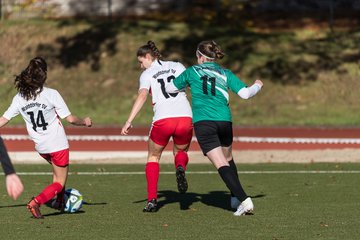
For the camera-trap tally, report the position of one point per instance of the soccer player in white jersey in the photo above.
(41, 108)
(172, 118)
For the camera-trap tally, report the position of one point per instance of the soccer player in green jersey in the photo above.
(209, 84)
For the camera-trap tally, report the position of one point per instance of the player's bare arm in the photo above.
(74, 120)
(138, 104)
(3, 121)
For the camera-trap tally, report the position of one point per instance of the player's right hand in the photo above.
(125, 129)
(259, 82)
(14, 186)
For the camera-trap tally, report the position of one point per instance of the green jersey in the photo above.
(209, 84)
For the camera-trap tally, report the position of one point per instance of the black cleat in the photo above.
(181, 180)
(56, 204)
(151, 206)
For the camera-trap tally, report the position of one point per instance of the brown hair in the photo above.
(31, 81)
(149, 48)
(210, 49)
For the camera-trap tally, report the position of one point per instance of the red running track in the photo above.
(277, 132)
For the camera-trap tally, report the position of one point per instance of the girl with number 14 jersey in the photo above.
(41, 109)
(42, 119)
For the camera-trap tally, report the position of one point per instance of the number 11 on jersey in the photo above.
(205, 80)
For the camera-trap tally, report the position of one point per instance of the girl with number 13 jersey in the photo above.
(41, 109)
(165, 105)
(172, 118)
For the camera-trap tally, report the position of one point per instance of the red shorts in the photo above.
(180, 128)
(59, 158)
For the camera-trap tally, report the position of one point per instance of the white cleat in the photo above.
(234, 202)
(246, 207)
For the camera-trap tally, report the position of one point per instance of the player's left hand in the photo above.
(88, 122)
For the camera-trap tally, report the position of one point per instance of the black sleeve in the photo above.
(5, 160)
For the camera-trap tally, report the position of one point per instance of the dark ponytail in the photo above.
(210, 50)
(149, 48)
(31, 81)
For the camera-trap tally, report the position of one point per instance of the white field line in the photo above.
(236, 139)
(199, 172)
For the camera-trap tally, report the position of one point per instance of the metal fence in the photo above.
(23, 8)
(10, 9)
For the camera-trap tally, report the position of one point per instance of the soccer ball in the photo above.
(73, 200)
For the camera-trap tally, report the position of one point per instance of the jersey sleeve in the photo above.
(13, 109)
(61, 108)
(179, 68)
(145, 81)
(5, 160)
(234, 83)
(182, 81)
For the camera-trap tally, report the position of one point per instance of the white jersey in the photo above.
(155, 79)
(42, 119)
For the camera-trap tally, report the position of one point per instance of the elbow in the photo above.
(244, 95)
(142, 95)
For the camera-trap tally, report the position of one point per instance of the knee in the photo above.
(154, 158)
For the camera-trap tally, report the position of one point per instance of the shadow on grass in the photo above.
(185, 200)
(275, 60)
(86, 46)
(258, 196)
(78, 212)
(61, 213)
(13, 206)
(48, 204)
(279, 57)
(94, 204)
(90, 44)
(218, 199)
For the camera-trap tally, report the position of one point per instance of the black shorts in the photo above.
(213, 134)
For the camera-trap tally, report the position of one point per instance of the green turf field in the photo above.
(292, 201)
